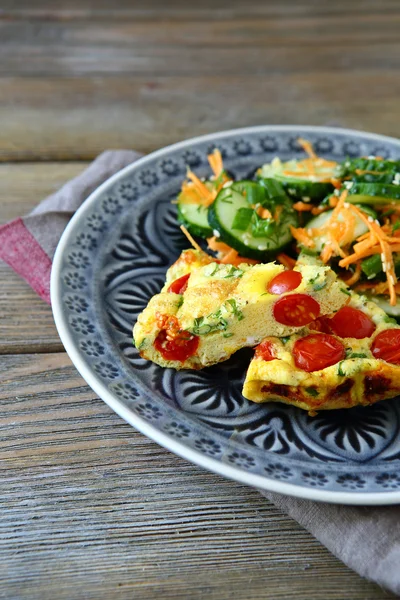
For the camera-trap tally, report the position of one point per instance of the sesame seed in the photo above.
(227, 184)
(370, 219)
(346, 205)
(216, 233)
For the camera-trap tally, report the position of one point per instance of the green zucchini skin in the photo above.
(371, 193)
(274, 237)
(195, 219)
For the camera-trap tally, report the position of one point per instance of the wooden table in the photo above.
(89, 507)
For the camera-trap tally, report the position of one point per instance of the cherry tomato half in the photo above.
(287, 281)
(353, 323)
(180, 347)
(317, 351)
(179, 285)
(322, 324)
(265, 351)
(296, 310)
(386, 346)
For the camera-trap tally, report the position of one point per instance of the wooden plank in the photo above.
(207, 9)
(94, 53)
(92, 509)
(76, 118)
(319, 30)
(26, 322)
(22, 187)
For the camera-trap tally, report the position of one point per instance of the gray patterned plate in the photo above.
(112, 259)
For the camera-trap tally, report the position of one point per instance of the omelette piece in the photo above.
(206, 312)
(322, 368)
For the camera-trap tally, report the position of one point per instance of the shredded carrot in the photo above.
(377, 243)
(264, 213)
(233, 258)
(302, 207)
(191, 240)
(317, 210)
(286, 261)
(355, 277)
(213, 244)
(307, 147)
(206, 196)
(227, 255)
(300, 234)
(216, 164)
(333, 200)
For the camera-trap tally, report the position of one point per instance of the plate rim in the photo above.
(158, 436)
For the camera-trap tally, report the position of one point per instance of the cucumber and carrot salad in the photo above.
(345, 215)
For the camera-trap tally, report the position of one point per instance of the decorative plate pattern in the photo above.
(112, 259)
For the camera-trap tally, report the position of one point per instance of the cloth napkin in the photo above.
(365, 539)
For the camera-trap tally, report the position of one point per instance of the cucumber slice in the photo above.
(320, 220)
(195, 218)
(352, 165)
(374, 178)
(300, 187)
(383, 303)
(240, 227)
(371, 193)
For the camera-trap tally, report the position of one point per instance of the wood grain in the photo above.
(77, 118)
(92, 509)
(207, 9)
(75, 80)
(26, 322)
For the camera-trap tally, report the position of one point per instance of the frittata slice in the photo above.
(206, 311)
(351, 359)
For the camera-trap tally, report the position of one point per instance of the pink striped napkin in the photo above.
(366, 539)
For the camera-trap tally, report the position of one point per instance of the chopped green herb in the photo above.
(396, 226)
(199, 327)
(285, 339)
(312, 391)
(242, 218)
(345, 291)
(236, 311)
(142, 344)
(319, 286)
(180, 302)
(350, 354)
(234, 272)
(340, 371)
(215, 269)
(309, 252)
(227, 335)
(388, 319)
(314, 282)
